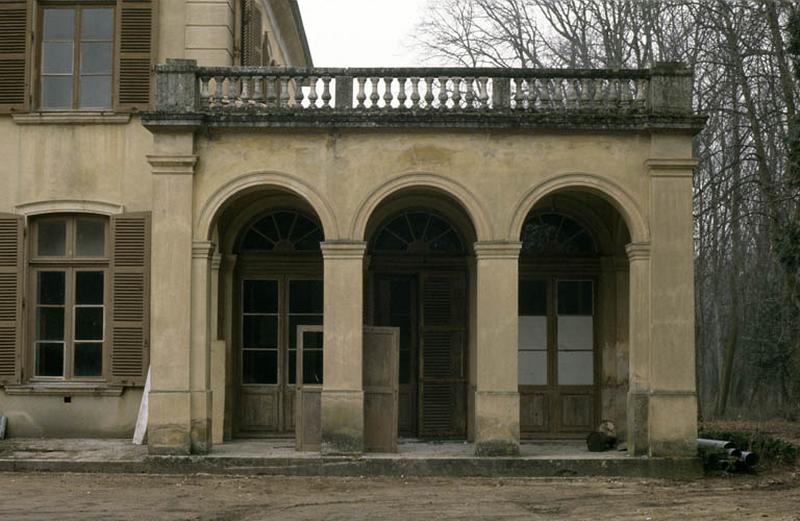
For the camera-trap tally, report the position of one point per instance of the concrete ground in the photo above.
(85, 497)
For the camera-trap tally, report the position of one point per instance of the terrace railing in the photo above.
(183, 87)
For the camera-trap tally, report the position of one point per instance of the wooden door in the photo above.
(396, 306)
(308, 393)
(557, 364)
(272, 308)
(381, 357)
(443, 357)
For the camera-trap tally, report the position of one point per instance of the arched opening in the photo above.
(572, 349)
(271, 282)
(418, 278)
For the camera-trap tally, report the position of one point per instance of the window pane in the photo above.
(575, 333)
(312, 340)
(305, 296)
(90, 238)
(292, 366)
(96, 57)
(532, 332)
(312, 367)
(301, 320)
(575, 297)
(260, 296)
(51, 287)
(97, 24)
(260, 367)
(59, 24)
(50, 359)
(57, 92)
(575, 368)
(52, 238)
(89, 287)
(532, 297)
(50, 324)
(532, 368)
(57, 58)
(405, 367)
(88, 359)
(88, 323)
(260, 331)
(95, 92)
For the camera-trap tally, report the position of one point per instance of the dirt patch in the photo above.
(34, 497)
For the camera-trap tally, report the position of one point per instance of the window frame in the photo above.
(71, 265)
(79, 7)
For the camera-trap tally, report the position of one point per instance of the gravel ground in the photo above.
(202, 497)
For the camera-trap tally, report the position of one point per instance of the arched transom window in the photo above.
(284, 231)
(418, 232)
(553, 234)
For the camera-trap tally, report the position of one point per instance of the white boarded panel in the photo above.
(575, 368)
(532, 368)
(532, 332)
(575, 332)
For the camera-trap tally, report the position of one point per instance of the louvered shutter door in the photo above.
(135, 43)
(14, 52)
(130, 298)
(10, 297)
(442, 345)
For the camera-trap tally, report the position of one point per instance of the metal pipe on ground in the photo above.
(3, 423)
(749, 458)
(715, 444)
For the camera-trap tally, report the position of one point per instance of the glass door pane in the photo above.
(575, 332)
(532, 333)
(260, 332)
(305, 309)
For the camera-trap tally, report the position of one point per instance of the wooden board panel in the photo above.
(258, 411)
(534, 411)
(577, 412)
(308, 430)
(380, 366)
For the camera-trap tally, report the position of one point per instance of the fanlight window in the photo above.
(555, 234)
(283, 232)
(418, 233)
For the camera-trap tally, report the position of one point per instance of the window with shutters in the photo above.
(69, 281)
(93, 55)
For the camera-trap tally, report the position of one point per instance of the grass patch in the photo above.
(770, 450)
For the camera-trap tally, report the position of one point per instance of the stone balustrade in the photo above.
(272, 96)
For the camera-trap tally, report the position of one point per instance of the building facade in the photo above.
(184, 189)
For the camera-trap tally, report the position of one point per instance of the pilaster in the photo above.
(342, 388)
(496, 422)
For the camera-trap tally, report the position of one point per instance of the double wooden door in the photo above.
(429, 308)
(270, 311)
(557, 358)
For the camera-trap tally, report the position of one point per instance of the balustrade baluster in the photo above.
(299, 95)
(401, 93)
(520, 94)
(429, 97)
(533, 94)
(312, 93)
(483, 92)
(641, 94)
(218, 84)
(361, 97)
(271, 91)
(258, 90)
(613, 93)
(388, 95)
(374, 95)
(626, 97)
(415, 93)
(326, 92)
(204, 90)
(244, 96)
(233, 90)
(586, 93)
(469, 95)
(571, 94)
(443, 96)
(457, 93)
(600, 93)
(545, 99)
(558, 93)
(284, 93)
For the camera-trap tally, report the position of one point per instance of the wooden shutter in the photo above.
(11, 269)
(136, 30)
(443, 355)
(130, 298)
(14, 56)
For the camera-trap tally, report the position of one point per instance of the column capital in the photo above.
(638, 251)
(674, 167)
(203, 249)
(343, 249)
(172, 164)
(497, 249)
(216, 261)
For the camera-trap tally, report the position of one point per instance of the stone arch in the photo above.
(457, 192)
(255, 180)
(608, 190)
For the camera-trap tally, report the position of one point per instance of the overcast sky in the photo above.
(361, 33)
